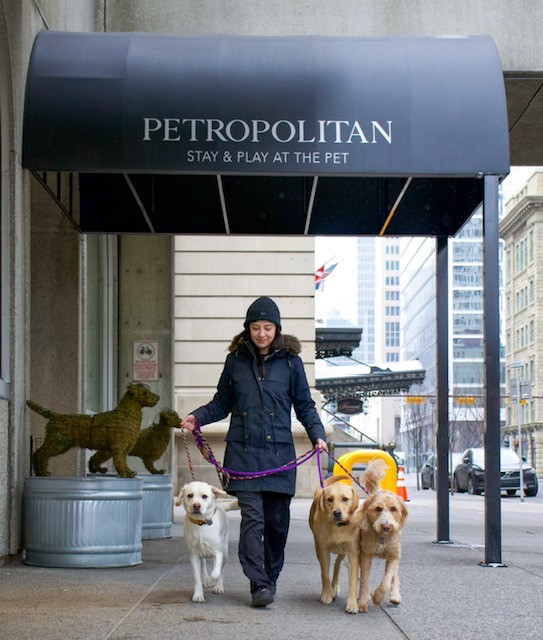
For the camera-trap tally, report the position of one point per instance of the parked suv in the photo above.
(469, 474)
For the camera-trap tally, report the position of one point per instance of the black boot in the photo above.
(261, 597)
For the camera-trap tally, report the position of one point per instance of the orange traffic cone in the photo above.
(401, 489)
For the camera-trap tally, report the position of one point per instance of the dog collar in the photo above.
(201, 522)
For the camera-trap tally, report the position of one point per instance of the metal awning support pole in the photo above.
(442, 312)
(493, 554)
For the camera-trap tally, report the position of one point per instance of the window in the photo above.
(468, 347)
(467, 276)
(467, 252)
(392, 334)
(467, 373)
(468, 300)
(470, 324)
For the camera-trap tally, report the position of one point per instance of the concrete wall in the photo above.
(145, 314)
(20, 21)
(514, 25)
(55, 320)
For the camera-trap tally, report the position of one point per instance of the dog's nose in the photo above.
(196, 506)
(386, 527)
(336, 513)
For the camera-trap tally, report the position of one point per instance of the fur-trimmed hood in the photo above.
(291, 343)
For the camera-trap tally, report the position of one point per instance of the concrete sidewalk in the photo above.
(446, 593)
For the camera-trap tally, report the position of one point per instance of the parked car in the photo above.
(469, 474)
(428, 474)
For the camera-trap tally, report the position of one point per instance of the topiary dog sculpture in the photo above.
(150, 446)
(116, 431)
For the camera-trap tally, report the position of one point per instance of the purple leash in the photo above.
(319, 465)
(208, 454)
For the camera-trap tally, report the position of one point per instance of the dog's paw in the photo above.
(395, 600)
(218, 587)
(352, 607)
(362, 606)
(198, 597)
(327, 597)
(378, 596)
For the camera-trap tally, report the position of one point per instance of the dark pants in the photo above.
(265, 519)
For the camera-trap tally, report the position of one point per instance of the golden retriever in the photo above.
(333, 521)
(382, 517)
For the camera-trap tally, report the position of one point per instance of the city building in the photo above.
(384, 411)
(466, 338)
(522, 232)
(377, 297)
(418, 342)
(366, 298)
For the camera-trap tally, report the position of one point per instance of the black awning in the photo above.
(279, 131)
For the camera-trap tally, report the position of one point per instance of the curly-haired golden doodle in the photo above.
(150, 445)
(382, 517)
(206, 533)
(334, 522)
(116, 430)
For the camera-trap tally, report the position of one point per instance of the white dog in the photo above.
(206, 534)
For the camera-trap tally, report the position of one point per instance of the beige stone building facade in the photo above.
(522, 231)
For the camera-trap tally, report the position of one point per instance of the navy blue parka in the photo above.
(259, 394)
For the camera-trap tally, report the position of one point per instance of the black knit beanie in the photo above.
(263, 309)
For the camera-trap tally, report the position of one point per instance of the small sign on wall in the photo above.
(145, 361)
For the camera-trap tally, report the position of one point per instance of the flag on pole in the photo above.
(322, 273)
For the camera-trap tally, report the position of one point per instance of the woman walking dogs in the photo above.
(262, 379)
